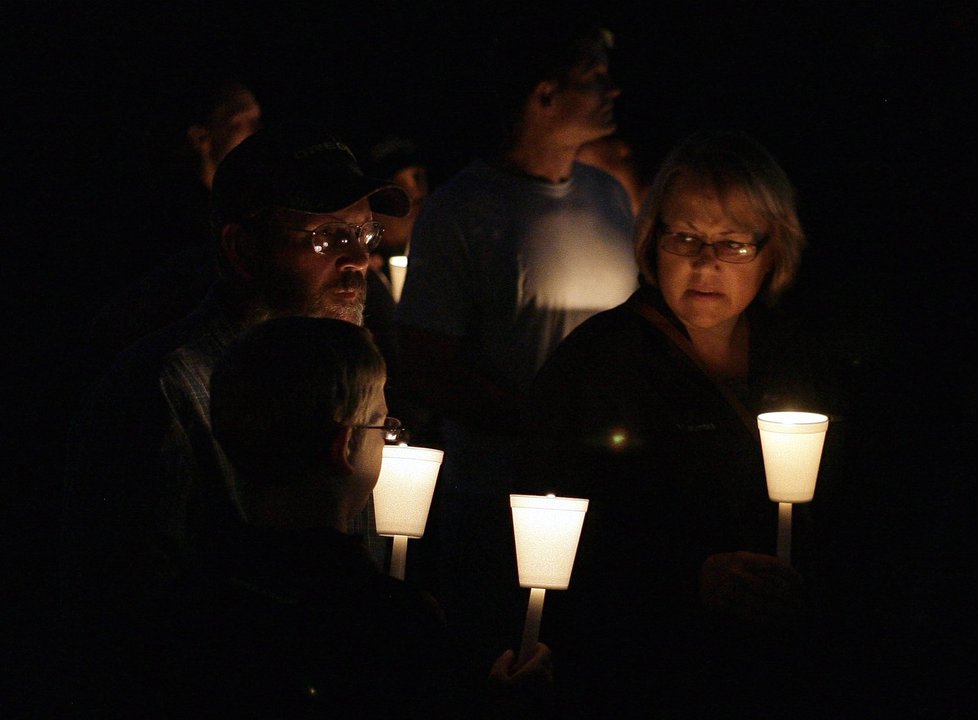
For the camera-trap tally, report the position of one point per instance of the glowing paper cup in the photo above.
(547, 530)
(397, 265)
(792, 446)
(402, 496)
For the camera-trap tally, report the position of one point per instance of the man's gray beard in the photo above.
(351, 312)
(278, 299)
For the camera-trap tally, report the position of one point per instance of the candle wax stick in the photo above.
(531, 629)
(784, 531)
(399, 556)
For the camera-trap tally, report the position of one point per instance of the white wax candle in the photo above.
(399, 556)
(784, 532)
(531, 628)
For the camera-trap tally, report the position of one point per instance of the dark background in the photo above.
(868, 107)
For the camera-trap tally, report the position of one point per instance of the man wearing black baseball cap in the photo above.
(150, 497)
(294, 217)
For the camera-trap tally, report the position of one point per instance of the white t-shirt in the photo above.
(513, 264)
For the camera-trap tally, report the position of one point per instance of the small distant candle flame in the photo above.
(618, 439)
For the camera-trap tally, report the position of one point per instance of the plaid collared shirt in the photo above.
(145, 470)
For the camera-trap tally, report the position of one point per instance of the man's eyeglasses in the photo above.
(391, 427)
(730, 251)
(339, 236)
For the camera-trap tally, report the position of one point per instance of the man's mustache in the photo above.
(350, 280)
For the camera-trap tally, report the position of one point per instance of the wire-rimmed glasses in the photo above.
(339, 236)
(392, 429)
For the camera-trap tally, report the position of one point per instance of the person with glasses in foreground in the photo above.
(305, 623)
(150, 498)
(678, 603)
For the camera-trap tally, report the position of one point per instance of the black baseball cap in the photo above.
(298, 166)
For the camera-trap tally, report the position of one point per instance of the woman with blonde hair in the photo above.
(649, 410)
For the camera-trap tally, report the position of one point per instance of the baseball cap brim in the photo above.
(324, 192)
(298, 167)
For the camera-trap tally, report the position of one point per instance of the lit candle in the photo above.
(791, 443)
(547, 530)
(402, 497)
(397, 264)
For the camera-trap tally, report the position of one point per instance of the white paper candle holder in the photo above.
(402, 496)
(791, 443)
(397, 265)
(547, 530)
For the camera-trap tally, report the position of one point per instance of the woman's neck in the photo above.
(724, 352)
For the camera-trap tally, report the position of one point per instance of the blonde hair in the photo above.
(728, 162)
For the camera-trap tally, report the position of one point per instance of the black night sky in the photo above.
(868, 108)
